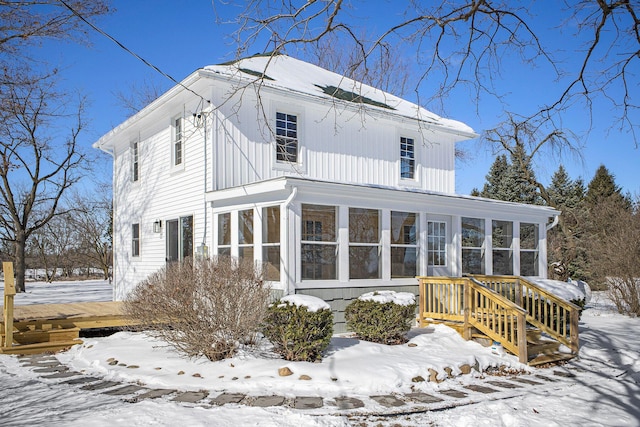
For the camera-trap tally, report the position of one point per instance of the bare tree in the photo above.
(138, 95)
(93, 219)
(36, 170)
(53, 242)
(24, 23)
(461, 44)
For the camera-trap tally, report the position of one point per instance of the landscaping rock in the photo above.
(285, 372)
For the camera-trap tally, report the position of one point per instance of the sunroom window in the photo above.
(502, 243)
(245, 234)
(271, 242)
(473, 246)
(404, 244)
(364, 243)
(319, 246)
(224, 234)
(529, 249)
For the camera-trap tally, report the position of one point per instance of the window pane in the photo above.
(364, 262)
(364, 225)
(245, 252)
(224, 251)
(271, 224)
(407, 155)
(187, 236)
(403, 228)
(271, 258)
(472, 261)
(403, 262)
(245, 227)
(528, 236)
(135, 239)
(319, 262)
(286, 138)
(319, 223)
(472, 232)
(172, 240)
(224, 229)
(502, 262)
(437, 243)
(502, 234)
(529, 263)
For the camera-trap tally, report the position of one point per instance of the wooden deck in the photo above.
(83, 315)
(40, 328)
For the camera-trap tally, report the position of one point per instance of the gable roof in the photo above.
(290, 74)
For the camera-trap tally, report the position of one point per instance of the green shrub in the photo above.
(298, 333)
(375, 317)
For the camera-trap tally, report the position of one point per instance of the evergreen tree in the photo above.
(566, 248)
(510, 181)
(602, 187)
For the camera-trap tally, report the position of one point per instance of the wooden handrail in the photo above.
(462, 299)
(550, 313)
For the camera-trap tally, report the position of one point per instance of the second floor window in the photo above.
(135, 166)
(407, 158)
(286, 138)
(177, 141)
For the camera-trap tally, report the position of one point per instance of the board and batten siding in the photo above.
(337, 144)
(163, 192)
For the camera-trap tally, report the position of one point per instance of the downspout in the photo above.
(290, 285)
(556, 218)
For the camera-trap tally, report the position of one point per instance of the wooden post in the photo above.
(468, 297)
(573, 331)
(523, 355)
(9, 292)
(422, 295)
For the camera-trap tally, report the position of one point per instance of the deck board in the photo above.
(85, 315)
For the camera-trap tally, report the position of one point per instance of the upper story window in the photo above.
(177, 141)
(286, 138)
(135, 165)
(407, 158)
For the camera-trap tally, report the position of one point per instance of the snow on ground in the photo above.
(604, 391)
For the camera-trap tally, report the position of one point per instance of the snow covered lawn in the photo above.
(605, 388)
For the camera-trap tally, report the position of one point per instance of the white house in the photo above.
(340, 188)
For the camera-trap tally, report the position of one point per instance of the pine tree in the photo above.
(603, 187)
(566, 250)
(510, 181)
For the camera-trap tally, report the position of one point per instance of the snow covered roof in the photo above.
(290, 74)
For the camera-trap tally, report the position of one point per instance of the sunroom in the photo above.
(337, 241)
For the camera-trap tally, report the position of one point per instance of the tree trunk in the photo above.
(20, 267)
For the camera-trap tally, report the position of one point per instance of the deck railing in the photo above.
(552, 315)
(500, 307)
(460, 299)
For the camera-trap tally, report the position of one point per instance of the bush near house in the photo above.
(202, 307)
(382, 317)
(299, 327)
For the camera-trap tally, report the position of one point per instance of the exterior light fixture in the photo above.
(157, 226)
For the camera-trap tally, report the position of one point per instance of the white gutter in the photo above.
(556, 218)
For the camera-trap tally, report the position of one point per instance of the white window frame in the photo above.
(377, 245)
(535, 251)
(135, 239)
(481, 248)
(503, 250)
(177, 142)
(442, 244)
(221, 246)
(292, 110)
(335, 244)
(135, 160)
(415, 245)
(404, 157)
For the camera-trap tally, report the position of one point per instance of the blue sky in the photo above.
(181, 36)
